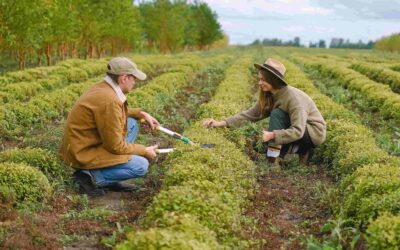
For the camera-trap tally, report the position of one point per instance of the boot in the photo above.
(122, 187)
(85, 185)
(274, 162)
(304, 159)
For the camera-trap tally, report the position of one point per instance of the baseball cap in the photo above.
(124, 66)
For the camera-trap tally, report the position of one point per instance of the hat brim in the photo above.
(281, 80)
(139, 75)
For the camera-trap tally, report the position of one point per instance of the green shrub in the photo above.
(29, 184)
(384, 233)
(174, 231)
(44, 160)
(370, 191)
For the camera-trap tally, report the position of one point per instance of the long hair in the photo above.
(266, 99)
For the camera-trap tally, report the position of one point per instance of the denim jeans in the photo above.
(134, 168)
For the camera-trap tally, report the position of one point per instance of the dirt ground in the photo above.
(287, 207)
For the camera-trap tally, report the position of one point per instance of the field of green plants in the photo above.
(205, 198)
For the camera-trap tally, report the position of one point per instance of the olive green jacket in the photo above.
(95, 133)
(302, 112)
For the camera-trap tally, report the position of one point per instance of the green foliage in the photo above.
(340, 151)
(341, 236)
(379, 96)
(175, 231)
(384, 232)
(370, 191)
(390, 43)
(379, 73)
(7, 195)
(89, 214)
(29, 184)
(41, 159)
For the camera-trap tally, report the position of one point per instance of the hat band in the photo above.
(273, 70)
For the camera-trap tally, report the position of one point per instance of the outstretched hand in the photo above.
(153, 123)
(211, 123)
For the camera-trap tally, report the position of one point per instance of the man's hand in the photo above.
(211, 123)
(267, 136)
(150, 120)
(151, 152)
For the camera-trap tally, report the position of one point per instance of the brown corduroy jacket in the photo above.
(95, 133)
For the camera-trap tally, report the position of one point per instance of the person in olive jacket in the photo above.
(100, 132)
(295, 125)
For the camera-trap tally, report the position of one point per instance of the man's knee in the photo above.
(140, 165)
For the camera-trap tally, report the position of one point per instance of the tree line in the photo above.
(41, 30)
(336, 43)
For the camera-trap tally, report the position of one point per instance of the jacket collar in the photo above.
(116, 88)
(280, 92)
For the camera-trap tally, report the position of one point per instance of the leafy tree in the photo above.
(208, 28)
(390, 43)
(164, 24)
(22, 23)
(321, 44)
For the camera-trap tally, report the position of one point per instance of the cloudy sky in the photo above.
(311, 20)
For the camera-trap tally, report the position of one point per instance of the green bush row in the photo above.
(370, 175)
(210, 186)
(19, 119)
(145, 62)
(41, 159)
(379, 74)
(150, 97)
(61, 77)
(28, 183)
(76, 70)
(380, 96)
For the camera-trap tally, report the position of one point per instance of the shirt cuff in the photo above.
(135, 113)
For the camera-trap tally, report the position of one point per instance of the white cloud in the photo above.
(322, 29)
(293, 29)
(316, 11)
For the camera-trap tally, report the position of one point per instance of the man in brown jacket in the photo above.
(100, 131)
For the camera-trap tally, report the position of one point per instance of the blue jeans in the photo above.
(134, 168)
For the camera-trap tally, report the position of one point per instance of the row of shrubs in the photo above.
(57, 78)
(205, 190)
(368, 177)
(379, 74)
(379, 96)
(73, 71)
(150, 96)
(31, 75)
(396, 67)
(17, 119)
(29, 170)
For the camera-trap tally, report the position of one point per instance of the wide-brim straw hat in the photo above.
(275, 68)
